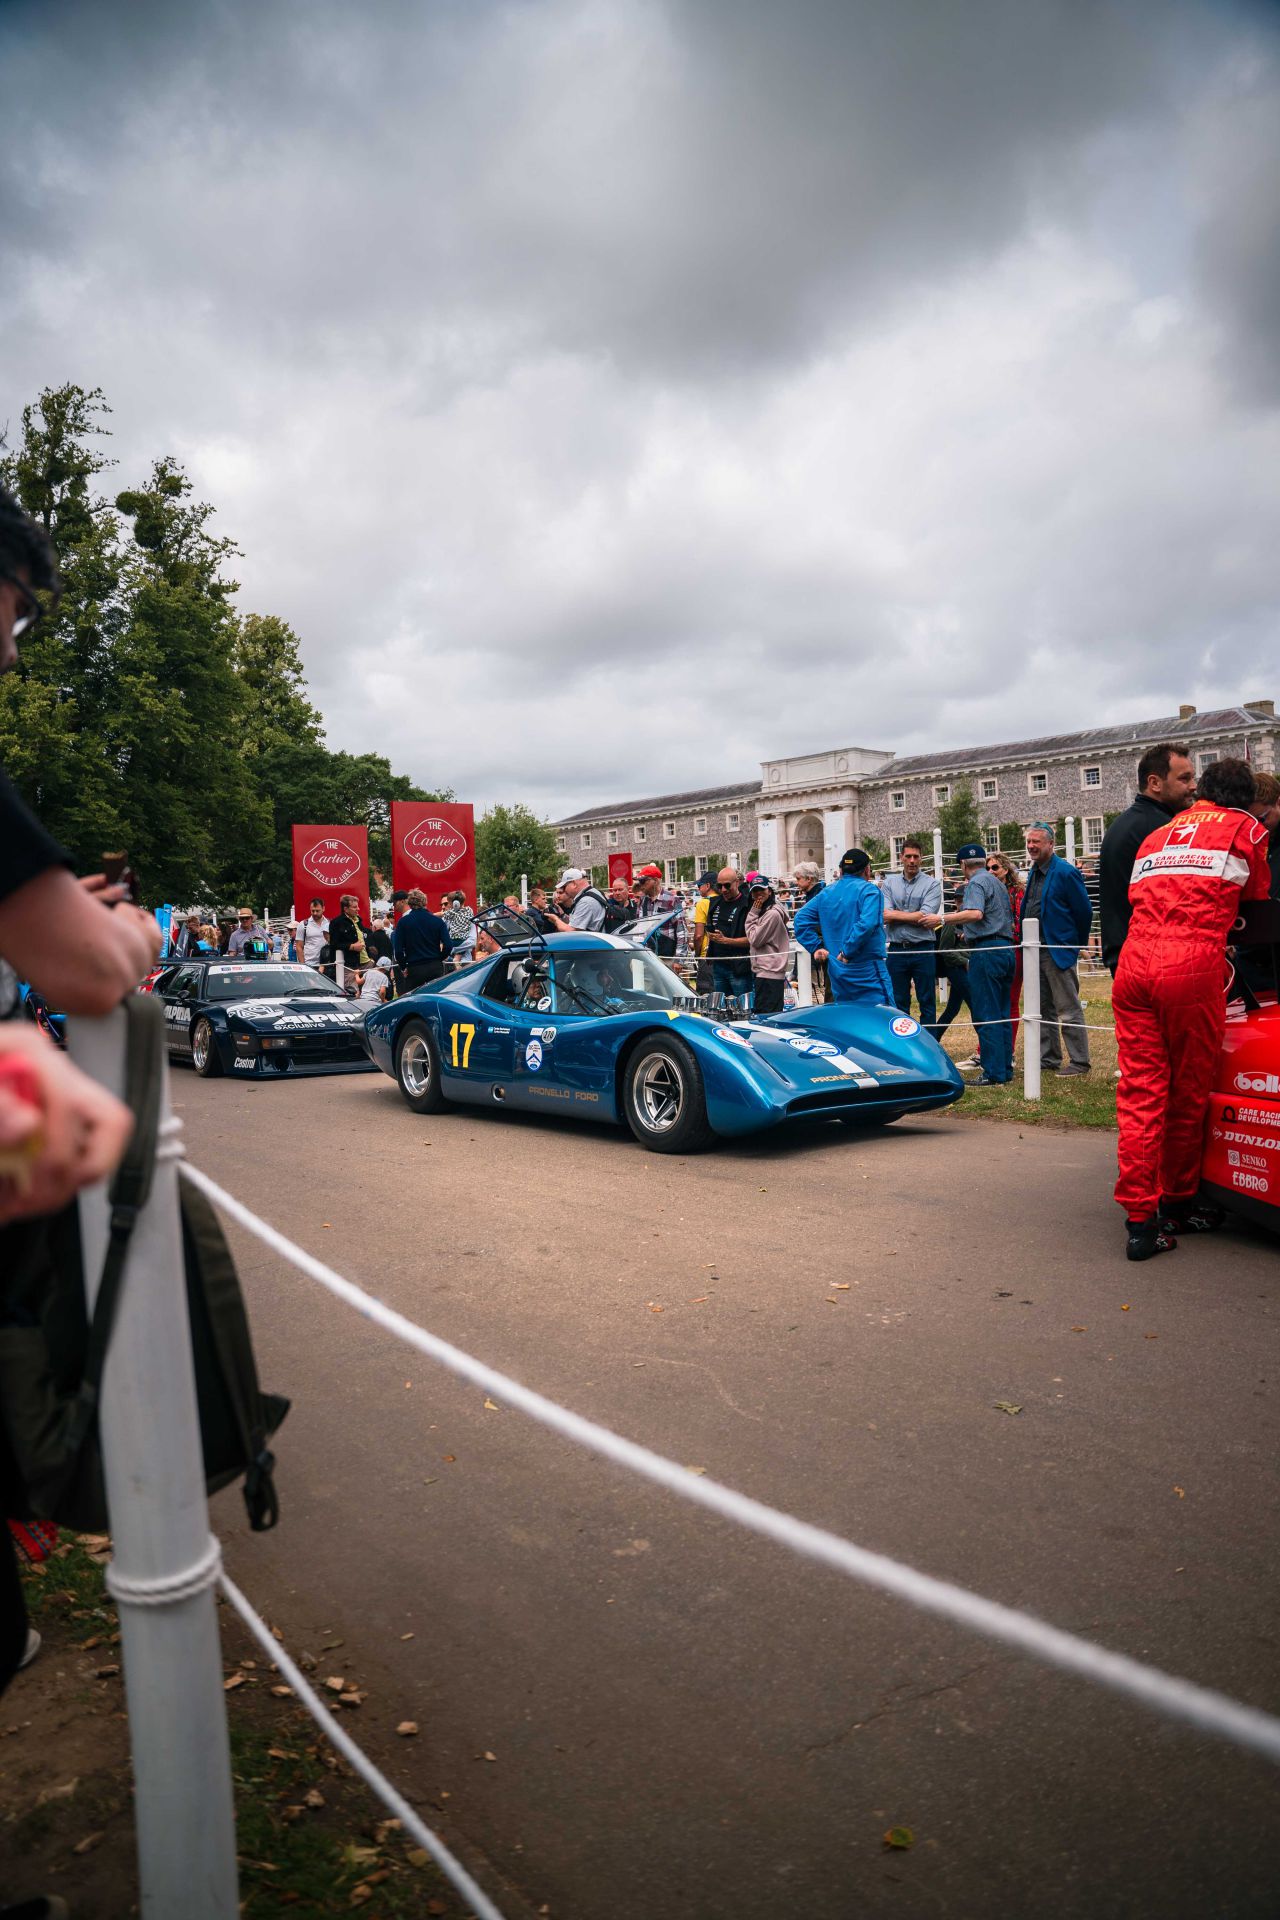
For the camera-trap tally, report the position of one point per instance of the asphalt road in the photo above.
(683, 1720)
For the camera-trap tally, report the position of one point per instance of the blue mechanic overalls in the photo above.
(847, 918)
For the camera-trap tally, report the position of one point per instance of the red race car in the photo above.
(1241, 1167)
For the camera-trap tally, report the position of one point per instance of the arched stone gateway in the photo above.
(807, 840)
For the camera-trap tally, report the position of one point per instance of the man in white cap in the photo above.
(586, 903)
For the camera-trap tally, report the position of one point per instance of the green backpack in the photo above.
(52, 1355)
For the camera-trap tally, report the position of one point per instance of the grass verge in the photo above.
(1089, 1101)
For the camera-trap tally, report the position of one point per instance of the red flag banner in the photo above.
(619, 867)
(433, 846)
(328, 862)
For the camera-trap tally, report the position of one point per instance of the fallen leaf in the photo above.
(282, 1693)
(313, 1797)
(900, 1838)
(278, 1753)
(56, 1793)
(491, 1406)
(418, 1857)
(352, 1699)
(235, 1680)
(336, 1683)
(407, 1729)
(360, 1894)
(86, 1646)
(1006, 1406)
(486, 1755)
(1151, 1336)
(1124, 1309)
(695, 1469)
(1181, 1492)
(326, 1227)
(450, 1457)
(109, 1673)
(406, 1636)
(353, 1856)
(249, 1664)
(384, 1829)
(841, 1286)
(701, 1300)
(1079, 1329)
(90, 1841)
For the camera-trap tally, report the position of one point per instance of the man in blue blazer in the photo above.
(1057, 897)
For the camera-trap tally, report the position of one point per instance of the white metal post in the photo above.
(524, 889)
(164, 1560)
(1031, 1009)
(804, 977)
(1071, 838)
(340, 969)
(937, 854)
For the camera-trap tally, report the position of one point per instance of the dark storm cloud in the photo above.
(574, 371)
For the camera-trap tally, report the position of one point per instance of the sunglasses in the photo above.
(31, 608)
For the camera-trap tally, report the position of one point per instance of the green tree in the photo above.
(877, 851)
(959, 820)
(511, 841)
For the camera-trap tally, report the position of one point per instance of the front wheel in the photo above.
(663, 1100)
(418, 1068)
(204, 1051)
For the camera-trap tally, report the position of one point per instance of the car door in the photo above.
(179, 994)
(562, 1045)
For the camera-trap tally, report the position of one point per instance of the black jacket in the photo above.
(1120, 845)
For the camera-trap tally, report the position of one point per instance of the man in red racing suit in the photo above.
(1188, 881)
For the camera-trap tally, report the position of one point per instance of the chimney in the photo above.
(1185, 712)
(1263, 706)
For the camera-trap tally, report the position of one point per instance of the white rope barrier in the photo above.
(1163, 1693)
(417, 1830)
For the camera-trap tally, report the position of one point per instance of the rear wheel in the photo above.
(204, 1051)
(663, 1100)
(418, 1068)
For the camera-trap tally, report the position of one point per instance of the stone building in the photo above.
(813, 806)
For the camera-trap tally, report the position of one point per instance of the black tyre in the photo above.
(418, 1067)
(662, 1098)
(205, 1057)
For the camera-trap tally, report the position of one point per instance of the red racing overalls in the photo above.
(1189, 879)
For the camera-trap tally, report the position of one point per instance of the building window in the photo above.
(1204, 760)
(899, 842)
(990, 790)
(700, 824)
(733, 821)
(561, 842)
(898, 800)
(669, 869)
(1091, 776)
(668, 829)
(584, 839)
(941, 795)
(612, 836)
(642, 833)
(1037, 783)
(1093, 830)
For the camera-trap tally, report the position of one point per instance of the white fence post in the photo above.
(804, 977)
(164, 1559)
(524, 889)
(1031, 1009)
(1070, 825)
(340, 969)
(937, 854)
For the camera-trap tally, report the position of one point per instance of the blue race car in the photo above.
(260, 1019)
(594, 1025)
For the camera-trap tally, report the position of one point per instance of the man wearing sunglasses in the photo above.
(727, 942)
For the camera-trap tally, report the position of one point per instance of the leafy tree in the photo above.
(959, 820)
(878, 852)
(511, 841)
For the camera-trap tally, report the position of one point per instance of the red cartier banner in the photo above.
(328, 862)
(619, 867)
(433, 846)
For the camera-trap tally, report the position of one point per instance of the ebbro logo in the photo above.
(1257, 1083)
(904, 1025)
(533, 1055)
(435, 845)
(331, 862)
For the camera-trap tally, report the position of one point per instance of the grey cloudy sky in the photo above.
(613, 393)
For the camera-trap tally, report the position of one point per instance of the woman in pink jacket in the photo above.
(769, 941)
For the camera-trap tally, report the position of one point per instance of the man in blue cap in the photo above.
(987, 917)
(844, 925)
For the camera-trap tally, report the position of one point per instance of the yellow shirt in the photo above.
(701, 908)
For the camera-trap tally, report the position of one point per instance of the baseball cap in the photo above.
(706, 880)
(570, 873)
(648, 873)
(972, 850)
(854, 861)
(383, 962)
(759, 883)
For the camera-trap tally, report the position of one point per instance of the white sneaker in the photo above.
(969, 1066)
(31, 1649)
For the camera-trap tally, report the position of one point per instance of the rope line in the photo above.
(327, 1722)
(1163, 1693)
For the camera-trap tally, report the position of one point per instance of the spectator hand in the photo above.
(820, 953)
(59, 1130)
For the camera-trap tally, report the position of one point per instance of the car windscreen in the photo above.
(267, 983)
(600, 980)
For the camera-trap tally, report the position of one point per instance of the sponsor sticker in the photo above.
(533, 1056)
(904, 1024)
(727, 1033)
(244, 1066)
(1257, 1083)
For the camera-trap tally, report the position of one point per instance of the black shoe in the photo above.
(1148, 1238)
(1192, 1216)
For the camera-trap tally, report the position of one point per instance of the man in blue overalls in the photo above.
(987, 918)
(844, 925)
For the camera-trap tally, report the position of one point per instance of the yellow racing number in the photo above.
(468, 1033)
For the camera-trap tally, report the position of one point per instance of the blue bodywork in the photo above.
(569, 1056)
